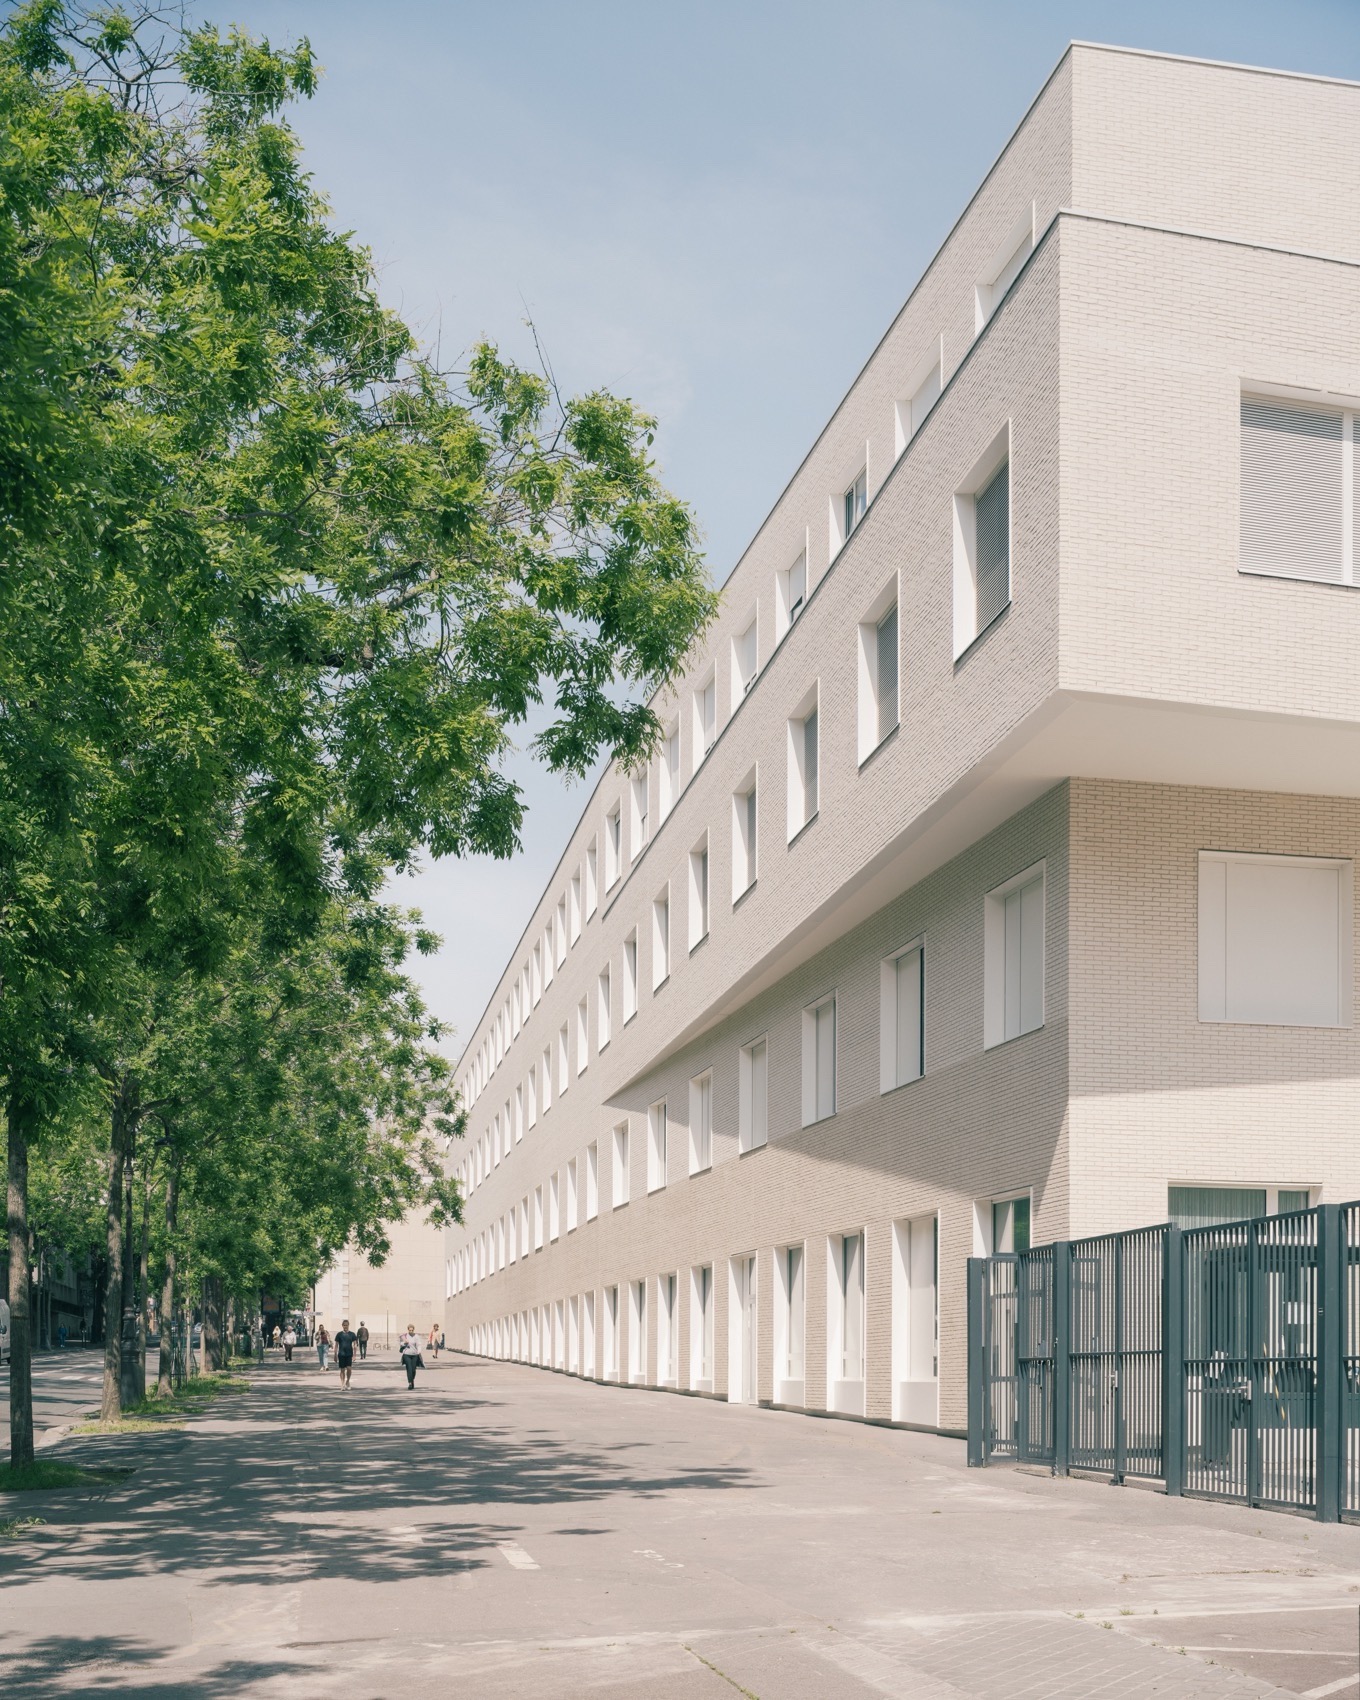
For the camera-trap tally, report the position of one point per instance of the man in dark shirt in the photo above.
(363, 1340)
(345, 1341)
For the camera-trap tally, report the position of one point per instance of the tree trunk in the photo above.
(165, 1380)
(212, 1325)
(129, 1390)
(143, 1280)
(22, 1122)
(120, 1136)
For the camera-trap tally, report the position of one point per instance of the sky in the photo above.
(714, 207)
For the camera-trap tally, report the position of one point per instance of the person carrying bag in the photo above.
(410, 1354)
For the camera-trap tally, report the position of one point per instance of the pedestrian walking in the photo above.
(345, 1342)
(289, 1341)
(277, 1335)
(323, 1345)
(362, 1338)
(433, 1344)
(410, 1353)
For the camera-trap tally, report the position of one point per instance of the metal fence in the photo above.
(1221, 1361)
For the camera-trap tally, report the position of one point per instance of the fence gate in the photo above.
(1223, 1361)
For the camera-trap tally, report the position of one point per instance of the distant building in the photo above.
(995, 879)
(409, 1286)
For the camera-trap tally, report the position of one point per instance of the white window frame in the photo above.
(639, 818)
(592, 878)
(1005, 265)
(582, 1036)
(630, 976)
(531, 1097)
(700, 883)
(661, 938)
(571, 1196)
(561, 930)
(592, 1180)
(923, 390)
(702, 1306)
(613, 846)
(745, 835)
(658, 1145)
(574, 905)
(892, 1074)
(705, 718)
(804, 788)
(745, 659)
(619, 1180)
(1346, 413)
(538, 1218)
(791, 590)
(701, 1122)
(554, 1206)
(545, 1079)
(604, 1014)
(753, 1123)
(872, 730)
(968, 625)
(999, 1017)
(669, 783)
(819, 1095)
(563, 1058)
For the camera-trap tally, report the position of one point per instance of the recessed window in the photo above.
(582, 1036)
(744, 836)
(902, 1017)
(531, 1098)
(619, 1178)
(630, 976)
(819, 1060)
(922, 393)
(661, 938)
(561, 951)
(604, 1023)
(705, 718)
(744, 662)
(571, 1195)
(1005, 266)
(855, 503)
(803, 765)
(574, 905)
(563, 1069)
(554, 1207)
(701, 1329)
(698, 893)
(1298, 479)
(982, 544)
(545, 1079)
(547, 956)
(538, 1218)
(637, 1332)
(701, 1123)
(1014, 958)
(1274, 940)
(638, 789)
(878, 671)
(592, 878)
(790, 594)
(753, 1123)
(1010, 1224)
(536, 976)
(670, 770)
(592, 1181)
(656, 1146)
(613, 845)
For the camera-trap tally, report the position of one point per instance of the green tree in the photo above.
(276, 589)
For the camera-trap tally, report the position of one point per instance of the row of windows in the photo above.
(981, 592)
(1014, 1005)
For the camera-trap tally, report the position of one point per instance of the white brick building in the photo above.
(997, 877)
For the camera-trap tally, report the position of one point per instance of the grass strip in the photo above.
(153, 1412)
(45, 1473)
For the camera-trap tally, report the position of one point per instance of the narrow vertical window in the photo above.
(982, 544)
(563, 1063)
(657, 1152)
(545, 1079)
(902, 1024)
(701, 1123)
(791, 594)
(1014, 958)
(613, 845)
(705, 718)
(745, 660)
(698, 893)
(855, 504)
(819, 1061)
(592, 1181)
(592, 878)
(744, 836)
(803, 763)
(630, 976)
(661, 939)
(639, 796)
(619, 1183)
(582, 1036)
(574, 905)
(571, 1195)
(604, 1014)
(670, 770)
(753, 1116)
(554, 1207)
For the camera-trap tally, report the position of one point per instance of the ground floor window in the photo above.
(1206, 1206)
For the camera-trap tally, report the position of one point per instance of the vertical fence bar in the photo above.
(1173, 1361)
(978, 1394)
(1331, 1364)
(1255, 1349)
(1062, 1356)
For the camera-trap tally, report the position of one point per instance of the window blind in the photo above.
(1293, 469)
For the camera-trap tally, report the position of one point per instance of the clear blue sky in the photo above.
(714, 208)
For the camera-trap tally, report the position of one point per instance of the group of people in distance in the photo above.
(347, 1342)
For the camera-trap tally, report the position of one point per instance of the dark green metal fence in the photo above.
(1221, 1361)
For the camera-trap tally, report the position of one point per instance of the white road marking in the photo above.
(1279, 1652)
(1338, 1687)
(515, 1556)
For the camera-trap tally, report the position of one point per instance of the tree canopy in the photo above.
(275, 592)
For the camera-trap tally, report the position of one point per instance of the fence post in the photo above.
(1331, 1366)
(977, 1363)
(1062, 1356)
(1173, 1361)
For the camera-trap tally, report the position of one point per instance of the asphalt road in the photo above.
(506, 1532)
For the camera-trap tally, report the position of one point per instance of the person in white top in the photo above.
(410, 1353)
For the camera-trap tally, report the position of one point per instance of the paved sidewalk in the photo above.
(505, 1532)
